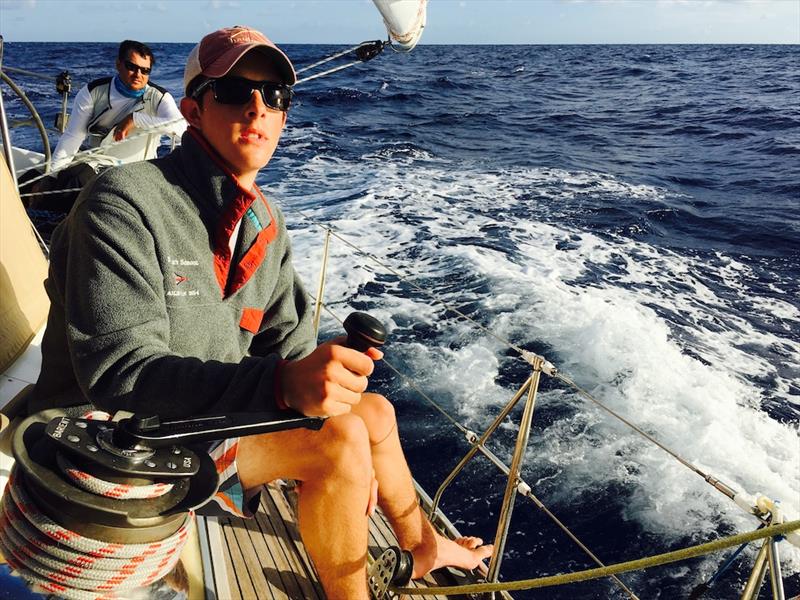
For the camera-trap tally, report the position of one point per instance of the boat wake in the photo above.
(687, 346)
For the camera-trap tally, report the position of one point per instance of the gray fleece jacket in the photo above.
(147, 315)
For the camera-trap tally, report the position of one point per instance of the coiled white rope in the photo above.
(55, 560)
(108, 489)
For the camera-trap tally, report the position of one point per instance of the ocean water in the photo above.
(630, 212)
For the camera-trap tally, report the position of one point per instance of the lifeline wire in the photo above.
(30, 73)
(51, 192)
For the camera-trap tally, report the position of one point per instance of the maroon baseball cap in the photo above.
(217, 52)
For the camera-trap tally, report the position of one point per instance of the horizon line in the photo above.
(797, 43)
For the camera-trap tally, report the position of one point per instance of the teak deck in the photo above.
(265, 559)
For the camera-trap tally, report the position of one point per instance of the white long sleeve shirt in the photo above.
(121, 106)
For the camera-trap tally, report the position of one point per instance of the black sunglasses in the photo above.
(238, 91)
(133, 68)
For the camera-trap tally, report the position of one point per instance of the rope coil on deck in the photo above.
(73, 566)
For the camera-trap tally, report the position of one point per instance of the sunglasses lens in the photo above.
(277, 97)
(234, 90)
(133, 68)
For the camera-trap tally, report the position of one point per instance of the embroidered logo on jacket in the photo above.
(180, 279)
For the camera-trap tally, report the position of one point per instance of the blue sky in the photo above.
(449, 21)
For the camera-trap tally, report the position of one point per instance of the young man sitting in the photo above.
(173, 291)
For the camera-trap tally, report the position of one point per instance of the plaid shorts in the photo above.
(231, 498)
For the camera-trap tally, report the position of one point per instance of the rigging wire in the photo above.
(364, 51)
(328, 72)
(328, 59)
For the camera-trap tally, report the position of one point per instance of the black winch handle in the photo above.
(364, 331)
(145, 431)
(149, 431)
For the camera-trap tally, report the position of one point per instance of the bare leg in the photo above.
(335, 469)
(398, 499)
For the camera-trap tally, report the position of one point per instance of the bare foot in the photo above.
(462, 553)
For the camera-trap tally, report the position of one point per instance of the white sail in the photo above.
(405, 20)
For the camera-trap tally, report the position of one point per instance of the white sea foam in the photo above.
(652, 335)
